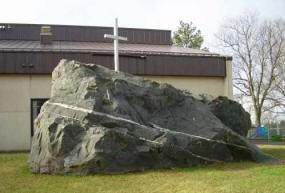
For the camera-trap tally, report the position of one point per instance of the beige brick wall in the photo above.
(16, 92)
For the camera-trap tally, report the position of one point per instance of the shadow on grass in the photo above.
(227, 166)
(276, 151)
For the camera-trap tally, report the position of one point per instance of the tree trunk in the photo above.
(258, 117)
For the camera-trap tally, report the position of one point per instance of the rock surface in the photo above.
(231, 114)
(100, 121)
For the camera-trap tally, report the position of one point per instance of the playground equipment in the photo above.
(263, 132)
(260, 132)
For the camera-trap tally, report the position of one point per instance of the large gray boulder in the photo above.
(232, 114)
(100, 121)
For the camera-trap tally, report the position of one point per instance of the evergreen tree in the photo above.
(187, 36)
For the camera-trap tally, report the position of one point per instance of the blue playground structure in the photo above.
(260, 132)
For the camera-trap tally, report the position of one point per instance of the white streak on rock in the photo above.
(135, 123)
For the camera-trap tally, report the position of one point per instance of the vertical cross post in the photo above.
(116, 39)
(116, 46)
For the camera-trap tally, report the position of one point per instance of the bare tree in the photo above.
(279, 84)
(258, 50)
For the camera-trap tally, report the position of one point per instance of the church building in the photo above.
(30, 52)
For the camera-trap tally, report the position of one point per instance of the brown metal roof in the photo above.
(99, 47)
(147, 52)
(12, 31)
(164, 65)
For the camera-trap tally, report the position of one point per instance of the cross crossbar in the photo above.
(115, 37)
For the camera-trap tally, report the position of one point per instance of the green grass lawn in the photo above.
(217, 178)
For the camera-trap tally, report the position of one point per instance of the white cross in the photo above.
(116, 39)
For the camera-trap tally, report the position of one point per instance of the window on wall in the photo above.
(36, 105)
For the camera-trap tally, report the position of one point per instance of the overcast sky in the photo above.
(207, 15)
